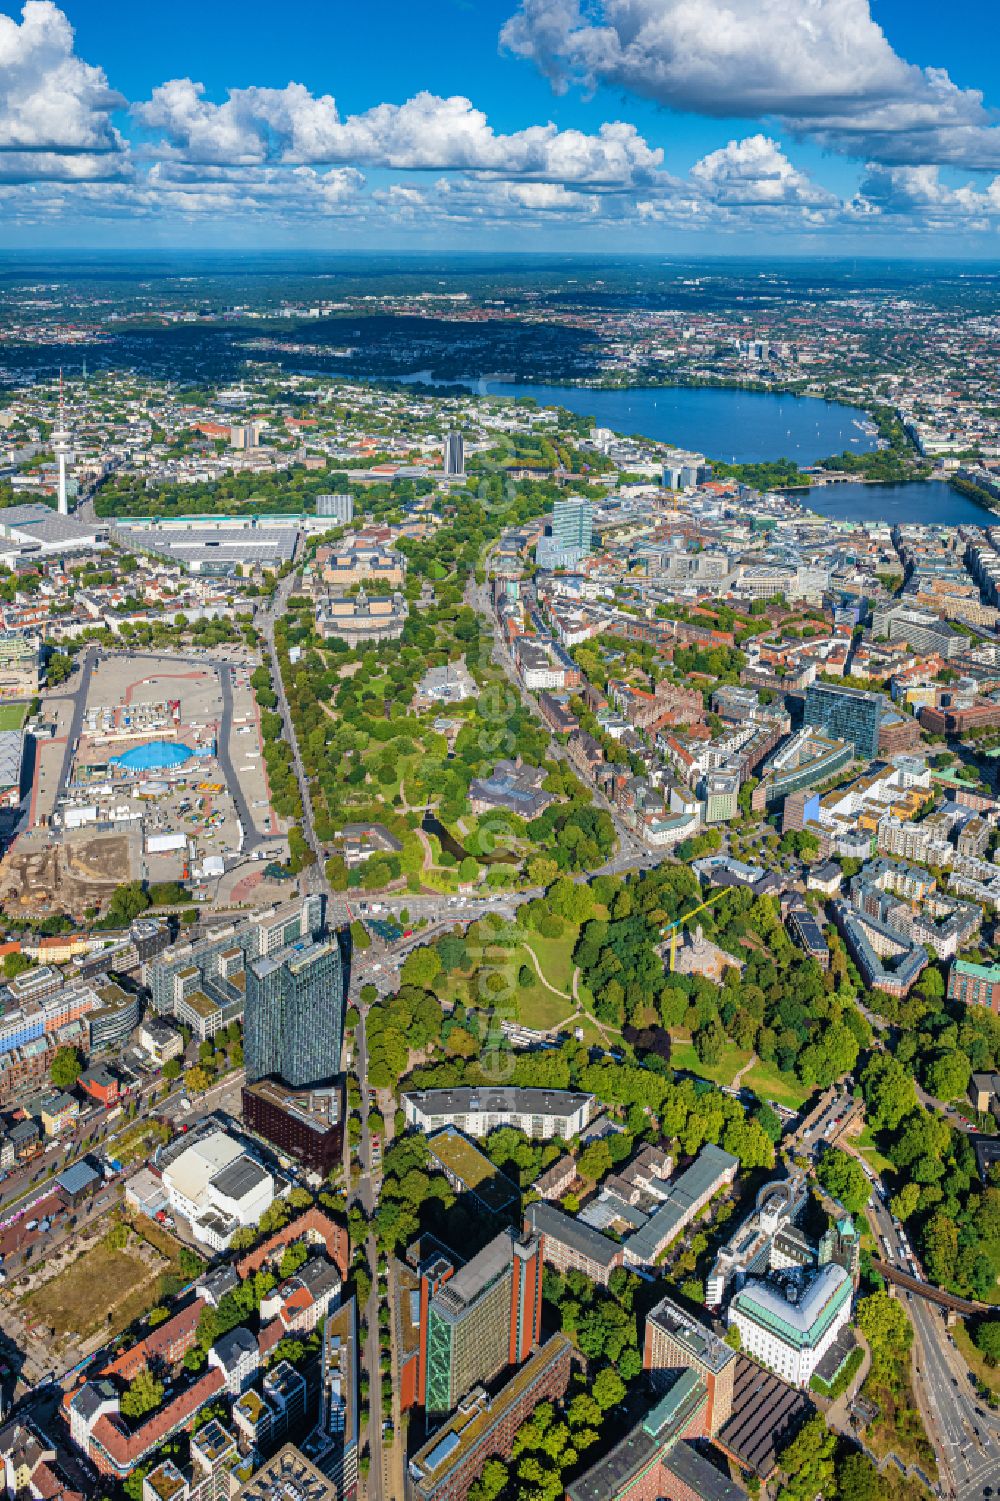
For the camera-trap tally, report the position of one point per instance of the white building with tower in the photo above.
(63, 449)
(788, 1321)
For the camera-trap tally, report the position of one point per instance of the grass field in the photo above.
(12, 716)
(555, 955)
(100, 1282)
(989, 1376)
(537, 1006)
(769, 1083)
(865, 1145)
(766, 1081)
(683, 1056)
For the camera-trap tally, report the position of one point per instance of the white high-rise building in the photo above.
(339, 507)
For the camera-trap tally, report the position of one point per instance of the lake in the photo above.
(741, 427)
(919, 502)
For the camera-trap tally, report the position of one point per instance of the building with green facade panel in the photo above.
(480, 1319)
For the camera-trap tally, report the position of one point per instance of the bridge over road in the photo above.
(963, 1306)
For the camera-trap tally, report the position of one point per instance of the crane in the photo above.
(673, 928)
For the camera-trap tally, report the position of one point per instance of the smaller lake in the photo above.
(432, 825)
(918, 502)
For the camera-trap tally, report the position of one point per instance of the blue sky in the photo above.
(743, 125)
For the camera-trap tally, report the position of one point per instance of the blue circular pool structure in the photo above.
(156, 755)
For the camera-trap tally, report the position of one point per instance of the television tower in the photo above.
(63, 451)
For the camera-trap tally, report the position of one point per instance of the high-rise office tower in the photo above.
(570, 535)
(339, 506)
(454, 456)
(573, 523)
(243, 435)
(851, 714)
(477, 1321)
(294, 1015)
(676, 1341)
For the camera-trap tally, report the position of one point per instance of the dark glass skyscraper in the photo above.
(850, 714)
(294, 1018)
(454, 456)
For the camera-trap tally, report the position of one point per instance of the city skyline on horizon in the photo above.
(540, 126)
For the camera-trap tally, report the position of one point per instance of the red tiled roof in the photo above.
(49, 1485)
(312, 1220)
(159, 1342)
(127, 1449)
(297, 1302)
(271, 1335)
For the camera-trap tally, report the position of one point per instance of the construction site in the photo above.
(152, 770)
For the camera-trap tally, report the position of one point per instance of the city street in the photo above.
(965, 1433)
(313, 878)
(339, 913)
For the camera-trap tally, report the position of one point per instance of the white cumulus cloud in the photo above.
(756, 171)
(825, 67)
(51, 101)
(920, 193)
(427, 132)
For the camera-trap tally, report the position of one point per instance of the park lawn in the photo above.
(603, 1032)
(12, 716)
(974, 1359)
(101, 1285)
(591, 1032)
(769, 1083)
(446, 986)
(865, 1145)
(537, 1006)
(683, 1056)
(555, 955)
(540, 1009)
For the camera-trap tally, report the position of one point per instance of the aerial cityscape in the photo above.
(499, 752)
